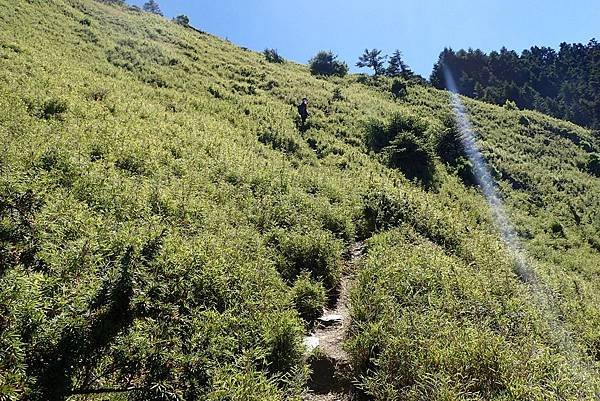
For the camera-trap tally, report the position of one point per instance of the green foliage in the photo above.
(380, 135)
(556, 82)
(510, 105)
(284, 141)
(594, 165)
(20, 242)
(337, 95)
(183, 20)
(404, 299)
(451, 152)
(118, 2)
(316, 252)
(398, 89)
(398, 68)
(372, 59)
(272, 56)
(53, 108)
(406, 145)
(382, 211)
(308, 297)
(160, 212)
(130, 163)
(326, 63)
(411, 154)
(151, 6)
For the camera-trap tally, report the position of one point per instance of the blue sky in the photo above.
(419, 28)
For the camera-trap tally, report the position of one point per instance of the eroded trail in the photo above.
(330, 380)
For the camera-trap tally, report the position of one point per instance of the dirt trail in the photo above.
(330, 381)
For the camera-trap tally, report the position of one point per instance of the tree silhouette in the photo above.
(397, 67)
(326, 63)
(372, 59)
(152, 6)
(182, 20)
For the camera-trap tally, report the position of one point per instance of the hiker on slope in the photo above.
(303, 111)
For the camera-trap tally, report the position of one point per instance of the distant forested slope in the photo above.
(563, 83)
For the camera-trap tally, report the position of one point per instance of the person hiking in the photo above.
(302, 110)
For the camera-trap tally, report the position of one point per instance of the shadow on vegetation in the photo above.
(405, 144)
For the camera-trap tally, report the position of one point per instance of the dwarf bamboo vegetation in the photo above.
(166, 232)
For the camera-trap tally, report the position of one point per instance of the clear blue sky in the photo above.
(419, 28)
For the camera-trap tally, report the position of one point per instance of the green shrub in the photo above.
(326, 63)
(510, 105)
(380, 134)
(464, 169)
(315, 251)
(52, 159)
(398, 89)
(283, 141)
(54, 108)
(116, 2)
(19, 240)
(97, 152)
(557, 229)
(98, 94)
(451, 151)
(132, 163)
(477, 337)
(593, 166)
(308, 297)
(272, 56)
(406, 145)
(183, 20)
(524, 121)
(338, 223)
(141, 58)
(400, 122)
(337, 95)
(282, 339)
(381, 211)
(449, 146)
(216, 93)
(247, 384)
(413, 156)
(387, 208)
(58, 165)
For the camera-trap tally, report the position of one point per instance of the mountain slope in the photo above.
(163, 223)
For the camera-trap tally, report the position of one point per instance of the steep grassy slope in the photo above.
(158, 204)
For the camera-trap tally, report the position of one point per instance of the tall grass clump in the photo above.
(406, 145)
(316, 252)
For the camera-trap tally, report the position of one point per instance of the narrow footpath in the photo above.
(330, 379)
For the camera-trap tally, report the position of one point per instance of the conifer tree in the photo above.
(397, 67)
(152, 6)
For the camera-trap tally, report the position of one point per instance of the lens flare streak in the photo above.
(541, 295)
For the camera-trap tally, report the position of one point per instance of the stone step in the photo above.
(311, 343)
(331, 319)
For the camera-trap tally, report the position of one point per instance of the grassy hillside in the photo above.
(163, 220)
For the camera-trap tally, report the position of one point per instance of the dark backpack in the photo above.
(302, 109)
